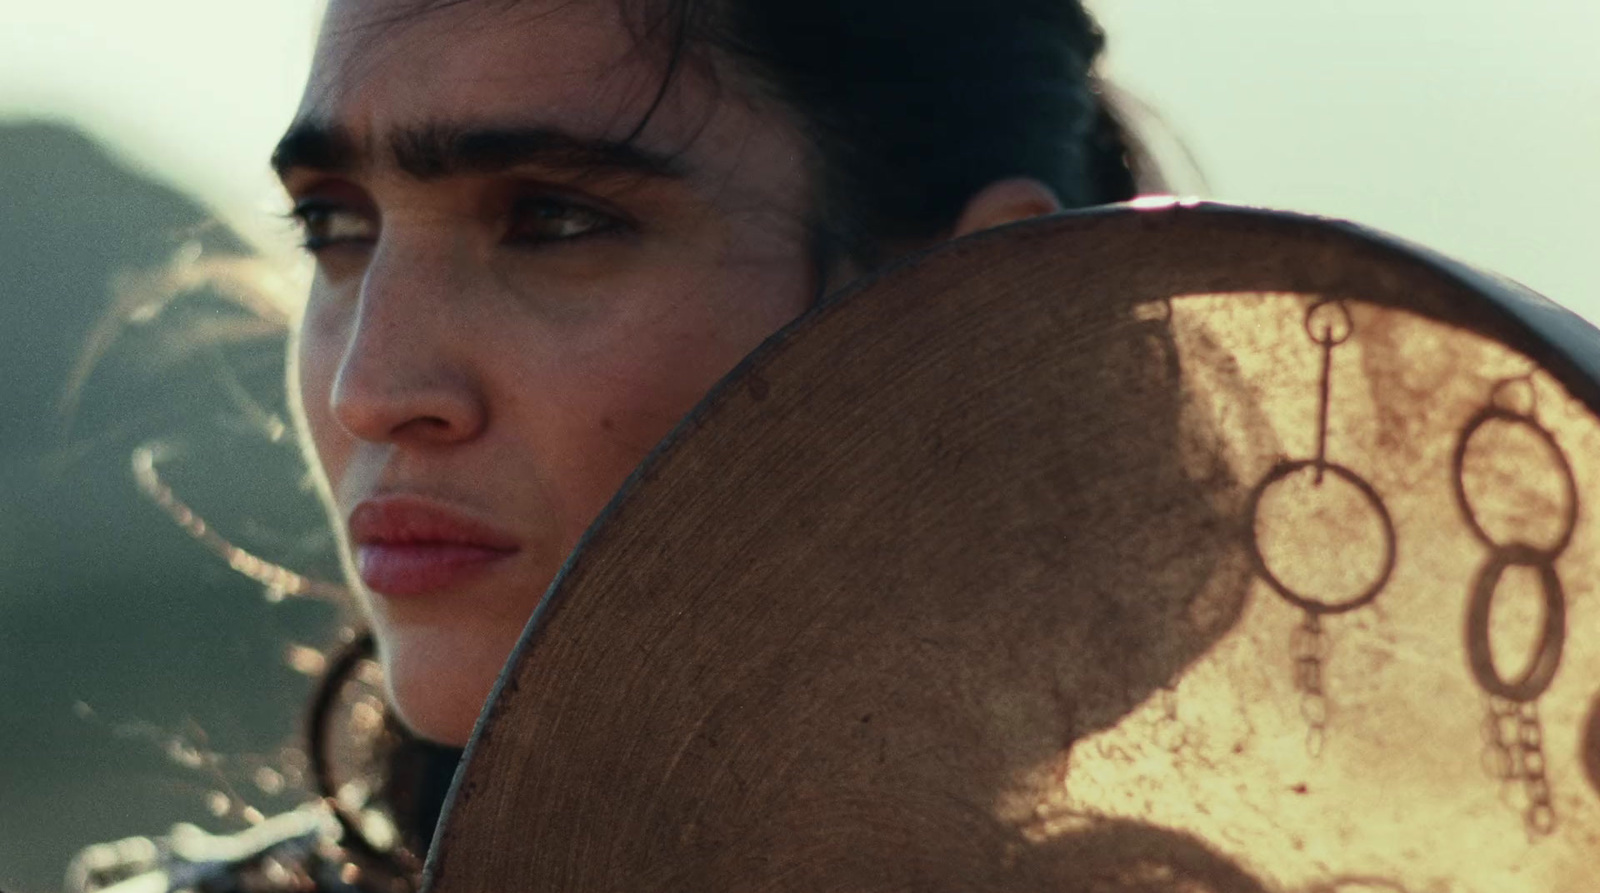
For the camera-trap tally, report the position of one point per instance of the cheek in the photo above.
(625, 396)
(596, 417)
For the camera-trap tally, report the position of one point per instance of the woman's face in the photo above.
(512, 303)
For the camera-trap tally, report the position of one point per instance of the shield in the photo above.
(1181, 548)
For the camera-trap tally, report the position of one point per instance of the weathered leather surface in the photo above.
(991, 575)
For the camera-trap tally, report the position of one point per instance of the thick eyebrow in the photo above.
(437, 150)
(313, 145)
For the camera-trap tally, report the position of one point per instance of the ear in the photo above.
(1005, 201)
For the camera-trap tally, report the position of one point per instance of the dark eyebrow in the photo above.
(437, 150)
(317, 146)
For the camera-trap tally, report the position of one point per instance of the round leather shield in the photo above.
(1183, 548)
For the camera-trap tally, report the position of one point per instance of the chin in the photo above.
(439, 679)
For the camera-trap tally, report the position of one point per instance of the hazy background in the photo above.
(140, 681)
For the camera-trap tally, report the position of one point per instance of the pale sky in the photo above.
(1472, 126)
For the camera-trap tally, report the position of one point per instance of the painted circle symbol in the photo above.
(1316, 606)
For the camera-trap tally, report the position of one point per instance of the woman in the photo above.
(543, 229)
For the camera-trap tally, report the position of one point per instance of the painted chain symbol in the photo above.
(1329, 325)
(1512, 729)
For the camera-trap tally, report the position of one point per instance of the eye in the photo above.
(324, 224)
(550, 219)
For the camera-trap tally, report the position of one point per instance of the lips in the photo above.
(410, 546)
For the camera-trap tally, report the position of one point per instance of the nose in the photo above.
(407, 375)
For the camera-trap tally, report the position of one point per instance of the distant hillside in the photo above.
(125, 647)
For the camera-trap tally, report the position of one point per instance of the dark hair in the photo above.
(913, 107)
